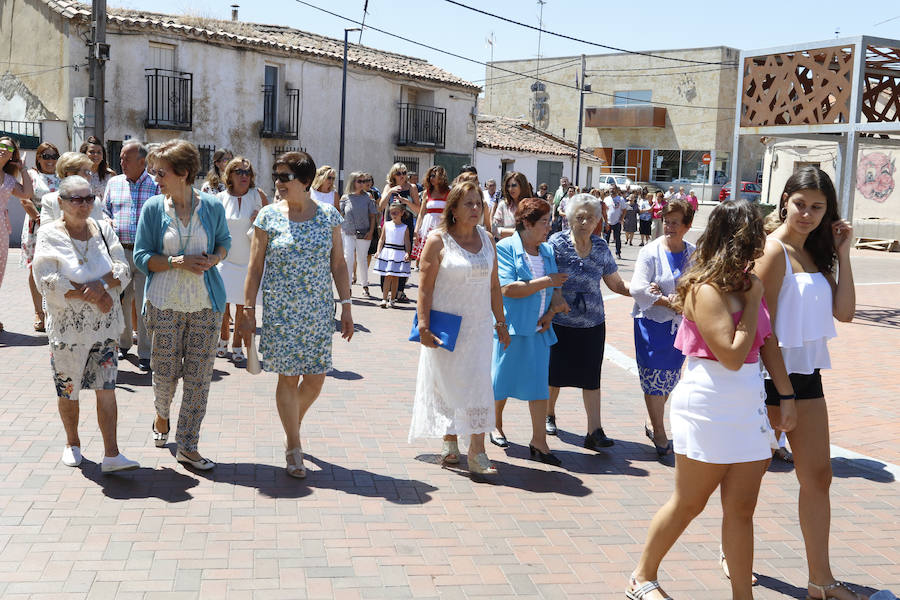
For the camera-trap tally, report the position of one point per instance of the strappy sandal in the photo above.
(450, 452)
(783, 454)
(824, 589)
(640, 592)
(661, 451)
(298, 469)
(222, 348)
(754, 580)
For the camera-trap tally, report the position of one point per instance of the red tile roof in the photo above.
(504, 133)
(268, 37)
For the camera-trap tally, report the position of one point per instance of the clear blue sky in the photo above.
(636, 25)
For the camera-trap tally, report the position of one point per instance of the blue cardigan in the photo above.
(153, 223)
(512, 265)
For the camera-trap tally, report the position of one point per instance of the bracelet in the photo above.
(499, 324)
(169, 258)
(105, 285)
(249, 307)
(346, 301)
(787, 396)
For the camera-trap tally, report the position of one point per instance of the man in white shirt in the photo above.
(561, 192)
(670, 192)
(615, 208)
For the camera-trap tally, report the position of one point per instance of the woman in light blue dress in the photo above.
(299, 242)
(528, 276)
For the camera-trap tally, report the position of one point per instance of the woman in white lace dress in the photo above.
(79, 267)
(454, 396)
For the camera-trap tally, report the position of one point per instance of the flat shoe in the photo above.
(112, 464)
(204, 464)
(499, 440)
(160, 438)
(597, 440)
(71, 456)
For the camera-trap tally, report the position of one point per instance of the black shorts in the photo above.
(645, 227)
(806, 387)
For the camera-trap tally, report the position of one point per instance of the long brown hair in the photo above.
(727, 250)
(214, 177)
(820, 242)
(103, 168)
(525, 190)
(9, 167)
(456, 195)
(442, 186)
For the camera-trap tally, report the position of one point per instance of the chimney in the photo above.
(234, 11)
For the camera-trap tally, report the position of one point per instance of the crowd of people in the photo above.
(510, 305)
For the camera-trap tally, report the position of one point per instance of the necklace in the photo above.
(82, 256)
(184, 241)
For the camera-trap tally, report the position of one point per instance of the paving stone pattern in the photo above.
(378, 517)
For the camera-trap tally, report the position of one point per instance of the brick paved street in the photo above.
(378, 518)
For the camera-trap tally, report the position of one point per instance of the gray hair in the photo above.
(579, 200)
(490, 181)
(71, 184)
(141, 148)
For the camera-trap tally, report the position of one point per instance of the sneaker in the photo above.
(596, 440)
(550, 426)
(118, 462)
(383, 304)
(144, 364)
(393, 304)
(71, 456)
(123, 354)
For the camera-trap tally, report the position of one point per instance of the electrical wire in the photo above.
(514, 79)
(574, 39)
(484, 64)
(500, 79)
(76, 67)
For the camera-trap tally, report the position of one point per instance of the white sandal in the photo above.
(222, 348)
(450, 452)
(639, 592)
(298, 469)
(824, 589)
(237, 355)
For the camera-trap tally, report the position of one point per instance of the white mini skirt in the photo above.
(719, 416)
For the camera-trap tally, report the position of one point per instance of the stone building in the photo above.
(657, 120)
(255, 89)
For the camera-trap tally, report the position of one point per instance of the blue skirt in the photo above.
(659, 361)
(521, 370)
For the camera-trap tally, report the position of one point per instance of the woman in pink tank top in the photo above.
(721, 436)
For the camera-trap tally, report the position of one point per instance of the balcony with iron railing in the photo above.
(424, 126)
(281, 115)
(26, 133)
(170, 99)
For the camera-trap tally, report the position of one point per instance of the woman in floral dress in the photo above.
(11, 166)
(299, 242)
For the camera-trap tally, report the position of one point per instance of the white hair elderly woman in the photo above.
(79, 267)
(576, 358)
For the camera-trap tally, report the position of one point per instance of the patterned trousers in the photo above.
(183, 346)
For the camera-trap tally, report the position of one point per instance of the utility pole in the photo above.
(97, 57)
(344, 111)
(582, 89)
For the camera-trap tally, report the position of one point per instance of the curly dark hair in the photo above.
(442, 186)
(530, 210)
(726, 252)
(820, 242)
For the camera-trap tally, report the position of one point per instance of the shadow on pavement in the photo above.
(538, 480)
(166, 484)
(8, 339)
(616, 459)
(777, 585)
(274, 482)
(879, 316)
(863, 468)
(345, 375)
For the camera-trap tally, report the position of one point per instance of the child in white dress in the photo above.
(393, 254)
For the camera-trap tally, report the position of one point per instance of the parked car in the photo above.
(622, 182)
(749, 191)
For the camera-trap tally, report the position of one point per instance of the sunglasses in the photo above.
(79, 200)
(330, 178)
(48, 156)
(243, 172)
(369, 180)
(7, 148)
(283, 177)
(157, 172)
(401, 172)
(512, 184)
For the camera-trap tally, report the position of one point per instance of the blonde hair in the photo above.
(182, 155)
(72, 161)
(236, 163)
(350, 188)
(321, 175)
(393, 173)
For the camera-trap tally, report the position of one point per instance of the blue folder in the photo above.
(443, 325)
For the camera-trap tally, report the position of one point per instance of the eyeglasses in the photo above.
(243, 172)
(330, 178)
(157, 172)
(7, 148)
(48, 156)
(79, 200)
(283, 177)
(369, 180)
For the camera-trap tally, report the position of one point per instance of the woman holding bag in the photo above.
(458, 276)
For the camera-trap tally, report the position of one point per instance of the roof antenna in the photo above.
(837, 32)
(363, 24)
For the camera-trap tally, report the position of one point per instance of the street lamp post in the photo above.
(343, 111)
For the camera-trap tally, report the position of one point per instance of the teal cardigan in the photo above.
(512, 265)
(153, 223)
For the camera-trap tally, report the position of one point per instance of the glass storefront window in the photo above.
(692, 168)
(665, 165)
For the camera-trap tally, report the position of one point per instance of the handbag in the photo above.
(444, 325)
